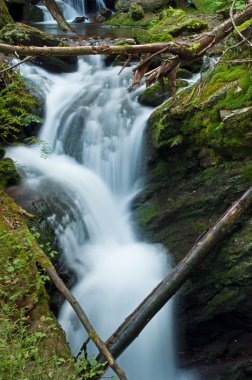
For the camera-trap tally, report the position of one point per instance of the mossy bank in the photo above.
(199, 158)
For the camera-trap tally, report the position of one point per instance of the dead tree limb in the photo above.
(85, 322)
(231, 13)
(58, 16)
(149, 307)
(186, 52)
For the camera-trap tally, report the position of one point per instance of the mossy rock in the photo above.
(176, 21)
(143, 36)
(125, 19)
(184, 74)
(136, 11)
(5, 17)
(36, 337)
(124, 42)
(22, 34)
(2, 152)
(8, 173)
(156, 94)
(199, 162)
(147, 5)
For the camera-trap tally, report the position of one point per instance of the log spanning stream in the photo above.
(94, 128)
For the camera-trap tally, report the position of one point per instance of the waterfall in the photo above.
(95, 128)
(71, 9)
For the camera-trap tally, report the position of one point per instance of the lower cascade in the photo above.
(93, 131)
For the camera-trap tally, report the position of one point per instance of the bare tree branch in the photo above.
(141, 316)
(85, 322)
(234, 25)
(17, 64)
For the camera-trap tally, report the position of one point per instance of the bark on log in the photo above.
(85, 322)
(58, 16)
(135, 322)
(186, 52)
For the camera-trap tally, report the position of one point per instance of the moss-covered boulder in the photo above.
(199, 162)
(167, 24)
(136, 11)
(8, 173)
(20, 110)
(21, 34)
(5, 17)
(176, 21)
(156, 94)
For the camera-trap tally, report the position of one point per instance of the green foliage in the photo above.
(176, 140)
(120, 19)
(89, 368)
(218, 5)
(17, 107)
(45, 148)
(8, 173)
(5, 17)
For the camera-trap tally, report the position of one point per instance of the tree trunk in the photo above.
(57, 14)
(135, 322)
(186, 52)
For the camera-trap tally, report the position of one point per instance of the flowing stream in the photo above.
(94, 128)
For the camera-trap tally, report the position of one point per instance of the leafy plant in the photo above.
(17, 107)
(225, 4)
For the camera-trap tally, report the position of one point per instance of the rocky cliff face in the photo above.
(199, 157)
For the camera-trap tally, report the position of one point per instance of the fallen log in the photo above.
(149, 307)
(186, 52)
(85, 322)
(58, 16)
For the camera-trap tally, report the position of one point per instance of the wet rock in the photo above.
(198, 152)
(106, 13)
(79, 20)
(232, 115)
(34, 14)
(21, 34)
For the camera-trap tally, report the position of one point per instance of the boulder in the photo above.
(80, 19)
(136, 11)
(21, 34)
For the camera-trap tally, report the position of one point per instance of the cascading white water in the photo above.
(71, 9)
(95, 128)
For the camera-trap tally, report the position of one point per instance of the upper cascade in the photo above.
(72, 9)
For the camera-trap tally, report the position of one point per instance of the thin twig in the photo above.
(28, 58)
(125, 64)
(234, 25)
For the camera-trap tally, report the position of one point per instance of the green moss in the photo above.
(136, 11)
(8, 174)
(5, 17)
(123, 42)
(28, 329)
(148, 214)
(174, 21)
(244, 25)
(120, 19)
(18, 108)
